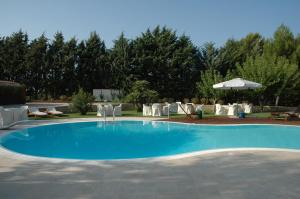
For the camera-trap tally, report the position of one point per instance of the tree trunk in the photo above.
(261, 103)
(277, 101)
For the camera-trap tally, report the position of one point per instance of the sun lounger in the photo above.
(53, 111)
(36, 112)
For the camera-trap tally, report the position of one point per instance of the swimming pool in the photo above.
(141, 139)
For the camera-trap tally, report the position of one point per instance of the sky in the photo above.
(201, 20)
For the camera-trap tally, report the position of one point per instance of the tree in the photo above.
(276, 74)
(121, 63)
(36, 71)
(205, 88)
(69, 80)
(166, 61)
(210, 56)
(13, 57)
(283, 43)
(93, 70)
(55, 66)
(141, 94)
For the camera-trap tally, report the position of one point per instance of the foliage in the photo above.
(82, 101)
(277, 75)
(205, 85)
(11, 93)
(171, 63)
(141, 94)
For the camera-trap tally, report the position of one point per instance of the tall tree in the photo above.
(13, 60)
(93, 70)
(121, 63)
(210, 56)
(36, 70)
(69, 80)
(55, 65)
(169, 63)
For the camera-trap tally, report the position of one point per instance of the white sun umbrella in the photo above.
(238, 84)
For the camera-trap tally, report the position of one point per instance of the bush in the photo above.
(63, 98)
(141, 94)
(195, 100)
(82, 101)
(12, 93)
(186, 100)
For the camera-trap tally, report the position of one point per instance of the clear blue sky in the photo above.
(202, 20)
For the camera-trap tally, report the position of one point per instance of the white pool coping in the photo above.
(19, 156)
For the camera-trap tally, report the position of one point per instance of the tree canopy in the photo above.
(171, 64)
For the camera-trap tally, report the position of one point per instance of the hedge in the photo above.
(12, 93)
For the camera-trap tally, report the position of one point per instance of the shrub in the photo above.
(63, 98)
(12, 93)
(186, 100)
(195, 100)
(82, 101)
(141, 94)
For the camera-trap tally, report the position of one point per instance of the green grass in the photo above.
(134, 113)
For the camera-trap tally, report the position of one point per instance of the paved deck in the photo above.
(225, 175)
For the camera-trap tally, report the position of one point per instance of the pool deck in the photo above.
(224, 175)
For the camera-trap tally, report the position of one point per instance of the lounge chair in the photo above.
(295, 113)
(34, 111)
(53, 111)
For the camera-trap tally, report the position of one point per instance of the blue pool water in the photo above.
(138, 139)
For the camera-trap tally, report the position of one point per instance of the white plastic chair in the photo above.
(100, 110)
(147, 110)
(156, 110)
(173, 108)
(109, 109)
(233, 110)
(166, 109)
(219, 109)
(248, 108)
(189, 108)
(118, 110)
(199, 107)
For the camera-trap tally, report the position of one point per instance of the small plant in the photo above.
(82, 101)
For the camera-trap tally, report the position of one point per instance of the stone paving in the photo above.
(223, 175)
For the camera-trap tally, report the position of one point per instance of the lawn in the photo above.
(134, 113)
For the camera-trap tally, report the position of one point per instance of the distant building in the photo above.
(107, 94)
